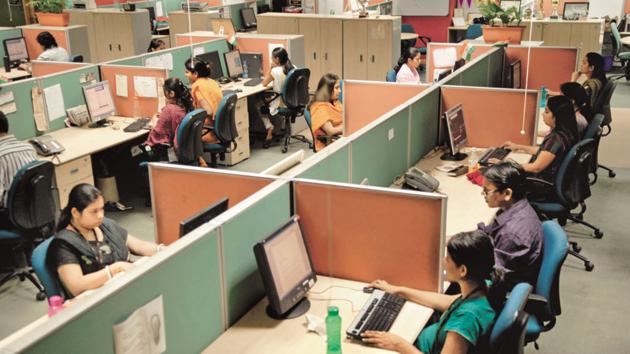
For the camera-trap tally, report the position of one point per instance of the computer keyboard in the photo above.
(227, 92)
(493, 153)
(253, 82)
(138, 124)
(378, 314)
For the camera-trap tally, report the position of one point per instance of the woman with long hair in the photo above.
(326, 110)
(280, 67)
(407, 66)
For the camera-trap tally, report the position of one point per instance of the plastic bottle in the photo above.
(543, 97)
(333, 330)
(245, 72)
(55, 304)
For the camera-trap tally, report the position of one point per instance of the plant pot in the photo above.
(510, 34)
(50, 19)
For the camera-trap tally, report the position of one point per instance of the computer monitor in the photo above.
(444, 74)
(515, 73)
(286, 270)
(99, 101)
(203, 216)
(254, 64)
(15, 50)
(249, 18)
(456, 128)
(212, 59)
(233, 63)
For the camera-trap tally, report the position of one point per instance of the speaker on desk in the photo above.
(7, 64)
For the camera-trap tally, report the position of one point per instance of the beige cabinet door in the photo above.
(536, 31)
(355, 45)
(379, 43)
(310, 29)
(104, 24)
(277, 25)
(331, 44)
(556, 34)
(124, 45)
(585, 37)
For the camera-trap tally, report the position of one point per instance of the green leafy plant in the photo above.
(496, 16)
(49, 6)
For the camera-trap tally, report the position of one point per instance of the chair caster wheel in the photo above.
(599, 234)
(285, 149)
(40, 296)
(589, 266)
(612, 174)
(577, 248)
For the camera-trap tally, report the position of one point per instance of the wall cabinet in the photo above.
(199, 21)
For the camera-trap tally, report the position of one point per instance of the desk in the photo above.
(523, 43)
(14, 75)
(405, 36)
(257, 333)
(625, 41)
(456, 33)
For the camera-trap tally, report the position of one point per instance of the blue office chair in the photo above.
(544, 304)
(295, 97)
(474, 31)
(224, 129)
(31, 210)
(623, 57)
(340, 98)
(391, 76)
(77, 58)
(594, 131)
(407, 28)
(508, 333)
(602, 105)
(48, 277)
(189, 137)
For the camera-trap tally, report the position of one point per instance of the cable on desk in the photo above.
(336, 299)
(333, 286)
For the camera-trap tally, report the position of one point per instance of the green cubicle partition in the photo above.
(5, 33)
(137, 60)
(484, 71)
(188, 279)
(424, 124)
(333, 166)
(495, 67)
(21, 122)
(246, 224)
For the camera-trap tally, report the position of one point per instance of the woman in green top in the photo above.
(467, 318)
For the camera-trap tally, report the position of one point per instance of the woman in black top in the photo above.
(88, 248)
(560, 117)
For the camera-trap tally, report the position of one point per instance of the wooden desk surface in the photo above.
(625, 41)
(404, 36)
(257, 333)
(14, 74)
(246, 90)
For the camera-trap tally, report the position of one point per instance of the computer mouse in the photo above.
(368, 289)
(238, 90)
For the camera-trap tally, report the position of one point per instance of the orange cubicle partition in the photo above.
(366, 233)
(544, 66)
(366, 101)
(34, 48)
(134, 104)
(479, 50)
(42, 68)
(494, 115)
(178, 192)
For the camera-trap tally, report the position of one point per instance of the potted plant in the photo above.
(50, 12)
(503, 25)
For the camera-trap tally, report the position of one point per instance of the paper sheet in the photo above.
(7, 108)
(53, 96)
(198, 51)
(159, 10)
(143, 331)
(6, 97)
(444, 57)
(121, 85)
(273, 46)
(164, 61)
(145, 86)
(41, 123)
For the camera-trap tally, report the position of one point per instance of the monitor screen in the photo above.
(249, 17)
(202, 217)
(15, 49)
(233, 63)
(515, 72)
(100, 104)
(456, 128)
(286, 270)
(254, 64)
(212, 59)
(444, 74)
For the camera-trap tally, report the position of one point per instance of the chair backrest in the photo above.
(555, 249)
(295, 89)
(77, 59)
(473, 31)
(602, 103)
(391, 76)
(616, 39)
(407, 28)
(572, 184)
(189, 137)
(507, 333)
(225, 121)
(31, 201)
(47, 276)
(594, 127)
(340, 98)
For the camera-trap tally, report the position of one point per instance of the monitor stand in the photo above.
(296, 311)
(100, 124)
(458, 156)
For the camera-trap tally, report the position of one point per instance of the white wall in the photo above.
(601, 8)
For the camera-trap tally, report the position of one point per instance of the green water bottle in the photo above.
(543, 97)
(333, 330)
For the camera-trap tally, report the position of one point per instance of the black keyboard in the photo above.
(493, 153)
(378, 314)
(227, 92)
(253, 82)
(140, 123)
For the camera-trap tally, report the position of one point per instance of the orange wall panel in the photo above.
(133, 106)
(34, 48)
(537, 60)
(259, 45)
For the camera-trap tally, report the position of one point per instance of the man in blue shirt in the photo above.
(516, 229)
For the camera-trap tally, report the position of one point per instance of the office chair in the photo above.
(602, 105)
(31, 209)
(77, 58)
(189, 137)
(594, 131)
(571, 188)
(48, 277)
(544, 305)
(407, 28)
(224, 129)
(623, 57)
(508, 332)
(390, 76)
(474, 31)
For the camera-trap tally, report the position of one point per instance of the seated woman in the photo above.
(277, 74)
(581, 104)
(407, 67)
(591, 75)
(88, 248)
(52, 51)
(560, 117)
(467, 318)
(326, 111)
(156, 45)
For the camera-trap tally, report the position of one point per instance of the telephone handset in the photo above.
(420, 180)
(46, 145)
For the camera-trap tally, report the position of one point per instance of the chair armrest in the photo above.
(533, 181)
(538, 305)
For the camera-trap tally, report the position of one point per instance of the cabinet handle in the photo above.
(372, 58)
(326, 56)
(361, 58)
(110, 47)
(119, 49)
(314, 55)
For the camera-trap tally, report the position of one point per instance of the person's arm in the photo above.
(140, 247)
(76, 282)
(575, 75)
(389, 341)
(520, 148)
(329, 129)
(544, 159)
(430, 299)
(268, 77)
(455, 344)
(207, 107)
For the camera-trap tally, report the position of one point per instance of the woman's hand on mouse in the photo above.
(383, 285)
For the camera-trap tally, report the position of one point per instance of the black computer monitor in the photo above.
(202, 217)
(15, 50)
(444, 74)
(456, 128)
(214, 60)
(100, 104)
(515, 73)
(254, 64)
(233, 64)
(249, 18)
(286, 270)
